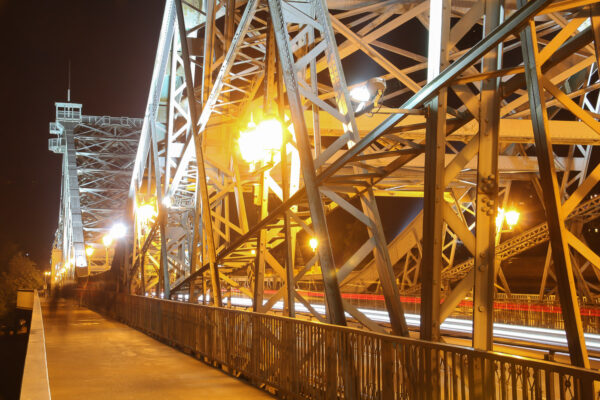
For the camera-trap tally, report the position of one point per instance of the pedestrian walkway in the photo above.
(91, 357)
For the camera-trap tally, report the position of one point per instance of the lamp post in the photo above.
(106, 241)
(313, 243)
(88, 252)
(510, 217)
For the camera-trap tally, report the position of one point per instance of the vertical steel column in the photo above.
(143, 274)
(162, 214)
(263, 198)
(433, 219)
(259, 264)
(335, 309)
(551, 200)
(435, 149)
(201, 179)
(487, 189)
(486, 206)
(285, 183)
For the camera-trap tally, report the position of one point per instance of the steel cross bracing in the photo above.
(98, 154)
(225, 227)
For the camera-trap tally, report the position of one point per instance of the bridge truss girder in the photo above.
(98, 154)
(291, 59)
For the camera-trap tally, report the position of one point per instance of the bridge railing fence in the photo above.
(302, 359)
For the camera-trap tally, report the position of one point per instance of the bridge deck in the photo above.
(94, 358)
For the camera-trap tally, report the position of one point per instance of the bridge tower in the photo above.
(97, 155)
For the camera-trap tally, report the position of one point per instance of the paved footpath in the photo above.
(91, 357)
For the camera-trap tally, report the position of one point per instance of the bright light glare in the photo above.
(512, 217)
(360, 93)
(499, 218)
(107, 240)
(118, 230)
(145, 213)
(313, 244)
(259, 142)
(89, 251)
(167, 201)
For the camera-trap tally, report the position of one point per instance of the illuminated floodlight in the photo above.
(253, 252)
(89, 251)
(512, 217)
(260, 142)
(360, 93)
(118, 230)
(167, 201)
(107, 240)
(145, 213)
(370, 91)
(313, 243)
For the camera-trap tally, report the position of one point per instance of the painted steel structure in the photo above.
(468, 119)
(506, 92)
(98, 155)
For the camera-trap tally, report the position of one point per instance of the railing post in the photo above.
(388, 357)
(549, 376)
(288, 356)
(330, 364)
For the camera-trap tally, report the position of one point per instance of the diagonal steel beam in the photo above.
(552, 202)
(201, 180)
(511, 25)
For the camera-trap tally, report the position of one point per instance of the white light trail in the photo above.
(505, 331)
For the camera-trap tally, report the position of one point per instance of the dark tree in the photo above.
(18, 272)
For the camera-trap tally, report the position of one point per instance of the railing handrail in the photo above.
(497, 356)
(302, 359)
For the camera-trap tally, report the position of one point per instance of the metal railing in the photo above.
(302, 359)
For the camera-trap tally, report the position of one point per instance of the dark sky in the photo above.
(111, 44)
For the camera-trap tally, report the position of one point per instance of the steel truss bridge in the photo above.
(503, 92)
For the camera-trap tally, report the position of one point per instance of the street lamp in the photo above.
(260, 142)
(107, 240)
(511, 217)
(118, 230)
(313, 243)
(146, 213)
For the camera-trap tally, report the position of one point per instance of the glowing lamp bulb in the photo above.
(107, 240)
(146, 213)
(512, 217)
(271, 134)
(259, 142)
(89, 251)
(313, 243)
(360, 93)
(118, 231)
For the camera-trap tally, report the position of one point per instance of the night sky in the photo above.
(111, 45)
